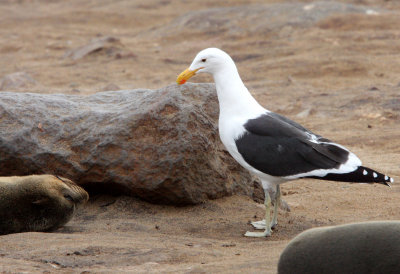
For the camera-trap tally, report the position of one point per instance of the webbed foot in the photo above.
(266, 233)
(259, 224)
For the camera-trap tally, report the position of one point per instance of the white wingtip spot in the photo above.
(391, 180)
(310, 7)
(365, 172)
(386, 177)
(371, 12)
(375, 175)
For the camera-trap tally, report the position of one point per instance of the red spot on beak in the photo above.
(182, 82)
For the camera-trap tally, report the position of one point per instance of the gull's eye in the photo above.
(204, 60)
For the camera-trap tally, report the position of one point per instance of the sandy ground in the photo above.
(339, 77)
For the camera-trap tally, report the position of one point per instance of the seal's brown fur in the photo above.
(37, 202)
(370, 247)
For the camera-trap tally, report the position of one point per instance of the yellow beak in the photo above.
(185, 75)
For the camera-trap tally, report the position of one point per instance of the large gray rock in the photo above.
(159, 145)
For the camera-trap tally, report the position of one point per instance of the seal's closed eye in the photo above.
(68, 197)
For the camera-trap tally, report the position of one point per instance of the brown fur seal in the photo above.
(37, 202)
(370, 247)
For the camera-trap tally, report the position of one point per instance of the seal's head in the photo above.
(60, 194)
(37, 202)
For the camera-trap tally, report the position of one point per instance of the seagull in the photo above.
(269, 145)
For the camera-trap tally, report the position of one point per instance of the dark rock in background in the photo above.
(112, 46)
(17, 80)
(160, 145)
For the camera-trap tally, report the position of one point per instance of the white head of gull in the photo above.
(269, 145)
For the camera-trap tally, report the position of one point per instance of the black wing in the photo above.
(278, 146)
